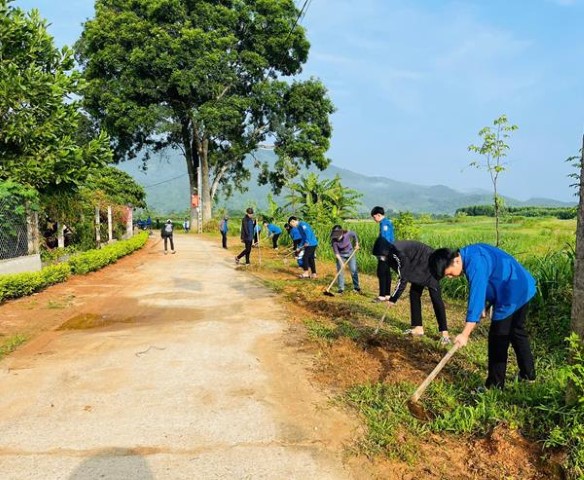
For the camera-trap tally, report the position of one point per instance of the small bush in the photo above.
(22, 284)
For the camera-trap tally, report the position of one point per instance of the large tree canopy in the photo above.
(38, 118)
(208, 77)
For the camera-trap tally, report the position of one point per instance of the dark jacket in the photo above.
(409, 259)
(247, 229)
(163, 231)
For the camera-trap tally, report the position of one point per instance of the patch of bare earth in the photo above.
(337, 365)
(342, 363)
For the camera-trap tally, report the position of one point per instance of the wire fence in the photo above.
(18, 231)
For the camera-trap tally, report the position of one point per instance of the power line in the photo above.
(300, 15)
(164, 181)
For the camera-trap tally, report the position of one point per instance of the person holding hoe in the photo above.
(496, 280)
(274, 233)
(410, 260)
(247, 235)
(345, 244)
(308, 243)
(383, 272)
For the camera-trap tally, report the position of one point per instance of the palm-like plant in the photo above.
(322, 199)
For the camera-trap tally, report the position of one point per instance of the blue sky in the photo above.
(414, 81)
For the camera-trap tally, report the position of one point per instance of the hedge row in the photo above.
(22, 284)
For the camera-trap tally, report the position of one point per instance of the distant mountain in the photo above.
(167, 187)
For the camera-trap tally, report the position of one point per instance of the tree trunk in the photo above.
(192, 158)
(578, 296)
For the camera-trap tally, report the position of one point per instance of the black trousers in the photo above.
(275, 240)
(224, 239)
(308, 259)
(296, 243)
(246, 251)
(384, 276)
(510, 330)
(166, 239)
(416, 306)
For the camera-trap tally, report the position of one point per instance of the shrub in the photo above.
(22, 284)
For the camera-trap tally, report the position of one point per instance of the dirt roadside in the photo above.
(164, 367)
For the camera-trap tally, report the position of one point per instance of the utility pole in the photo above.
(200, 195)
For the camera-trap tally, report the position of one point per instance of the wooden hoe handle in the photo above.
(424, 385)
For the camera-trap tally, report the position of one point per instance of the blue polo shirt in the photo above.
(307, 236)
(295, 233)
(274, 229)
(494, 277)
(386, 229)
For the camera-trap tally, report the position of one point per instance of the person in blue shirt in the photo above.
(274, 232)
(224, 228)
(308, 243)
(294, 235)
(496, 280)
(383, 270)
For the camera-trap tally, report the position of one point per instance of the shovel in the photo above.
(415, 408)
(327, 291)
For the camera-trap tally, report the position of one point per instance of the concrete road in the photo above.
(186, 374)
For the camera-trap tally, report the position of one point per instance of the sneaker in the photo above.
(173, 252)
(410, 331)
(357, 290)
(445, 341)
(303, 276)
(479, 390)
(313, 275)
(379, 299)
(236, 260)
(340, 292)
(165, 252)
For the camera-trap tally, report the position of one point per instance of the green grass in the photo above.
(540, 410)
(10, 344)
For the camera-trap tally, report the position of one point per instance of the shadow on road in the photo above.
(114, 464)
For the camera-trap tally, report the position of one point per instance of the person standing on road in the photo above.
(186, 225)
(344, 243)
(224, 228)
(274, 232)
(247, 235)
(308, 243)
(410, 260)
(166, 232)
(383, 271)
(497, 280)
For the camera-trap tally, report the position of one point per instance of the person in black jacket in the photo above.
(410, 260)
(166, 232)
(247, 234)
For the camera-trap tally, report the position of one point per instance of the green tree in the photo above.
(494, 151)
(38, 118)
(208, 78)
(119, 188)
(325, 201)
